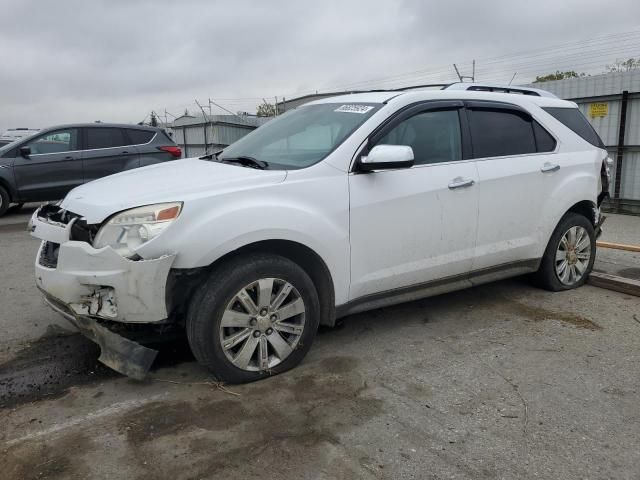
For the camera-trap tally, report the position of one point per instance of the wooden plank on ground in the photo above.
(618, 246)
(615, 283)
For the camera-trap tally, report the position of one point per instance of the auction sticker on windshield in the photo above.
(354, 108)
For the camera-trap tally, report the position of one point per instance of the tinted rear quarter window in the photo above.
(574, 119)
(138, 137)
(104, 138)
(497, 133)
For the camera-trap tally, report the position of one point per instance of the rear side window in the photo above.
(497, 133)
(104, 138)
(138, 137)
(572, 118)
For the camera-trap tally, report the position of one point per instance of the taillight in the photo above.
(176, 152)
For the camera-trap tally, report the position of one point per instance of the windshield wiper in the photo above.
(247, 161)
(211, 156)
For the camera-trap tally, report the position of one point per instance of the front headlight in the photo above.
(126, 231)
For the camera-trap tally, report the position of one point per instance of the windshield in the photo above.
(303, 136)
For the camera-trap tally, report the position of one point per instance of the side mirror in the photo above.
(25, 151)
(385, 157)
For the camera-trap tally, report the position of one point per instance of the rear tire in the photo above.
(569, 256)
(4, 201)
(253, 304)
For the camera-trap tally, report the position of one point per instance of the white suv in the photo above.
(342, 205)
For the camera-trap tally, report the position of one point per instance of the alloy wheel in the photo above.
(573, 255)
(262, 324)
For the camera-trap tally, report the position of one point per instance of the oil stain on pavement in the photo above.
(276, 425)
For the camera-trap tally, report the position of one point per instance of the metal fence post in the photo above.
(620, 149)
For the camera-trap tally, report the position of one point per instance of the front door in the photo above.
(52, 169)
(417, 225)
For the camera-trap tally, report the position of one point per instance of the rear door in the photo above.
(52, 169)
(108, 150)
(415, 225)
(517, 170)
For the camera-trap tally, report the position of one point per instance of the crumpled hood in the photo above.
(179, 180)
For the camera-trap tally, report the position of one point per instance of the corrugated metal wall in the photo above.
(221, 131)
(630, 179)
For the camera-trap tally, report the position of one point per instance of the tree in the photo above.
(558, 76)
(266, 110)
(154, 121)
(624, 65)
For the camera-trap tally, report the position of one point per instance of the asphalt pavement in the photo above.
(499, 381)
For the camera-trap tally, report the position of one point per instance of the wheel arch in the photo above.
(4, 183)
(586, 208)
(310, 261)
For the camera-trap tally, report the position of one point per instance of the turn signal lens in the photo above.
(168, 213)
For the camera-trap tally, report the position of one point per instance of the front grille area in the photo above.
(80, 231)
(49, 255)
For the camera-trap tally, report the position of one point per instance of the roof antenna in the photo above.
(514, 76)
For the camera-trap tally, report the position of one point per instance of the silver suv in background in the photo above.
(47, 165)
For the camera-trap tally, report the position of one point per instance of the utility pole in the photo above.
(457, 72)
(462, 77)
(204, 127)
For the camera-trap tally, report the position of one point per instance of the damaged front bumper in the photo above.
(93, 287)
(117, 352)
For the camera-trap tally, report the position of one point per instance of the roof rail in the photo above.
(442, 86)
(487, 87)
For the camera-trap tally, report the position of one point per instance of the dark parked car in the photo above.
(47, 165)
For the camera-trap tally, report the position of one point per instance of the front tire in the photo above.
(256, 315)
(569, 256)
(4, 201)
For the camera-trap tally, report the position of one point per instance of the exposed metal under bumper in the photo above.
(117, 352)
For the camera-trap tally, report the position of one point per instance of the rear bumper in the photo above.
(119, 353)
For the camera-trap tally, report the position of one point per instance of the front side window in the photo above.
(54, 142)
(434, 136)
(303, 136)
(498, 133)
(104, 137)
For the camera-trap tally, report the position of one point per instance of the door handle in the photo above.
(548, 167)
(124, 152)
(460, 182)
(68, 157)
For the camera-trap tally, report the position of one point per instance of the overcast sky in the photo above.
(69, 61)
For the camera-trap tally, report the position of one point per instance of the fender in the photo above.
(318, 219)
